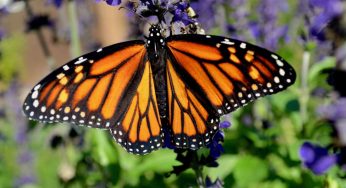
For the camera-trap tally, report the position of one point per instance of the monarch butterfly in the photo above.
(182, 83)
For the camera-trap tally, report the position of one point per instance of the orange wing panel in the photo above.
(111, 62)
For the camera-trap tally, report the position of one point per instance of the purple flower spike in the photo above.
(216, 149)
(316, 158)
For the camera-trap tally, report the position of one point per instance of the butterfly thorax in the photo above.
(156, 54)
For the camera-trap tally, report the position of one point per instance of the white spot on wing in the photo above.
(34, 94)
(35, 104)
(276, 79)
(280, 63)
(275, 57)
(37, 87)
(243, 45)
(282, 72)
(99, 50)
(80, 60)
(228, 42)
(65, 67)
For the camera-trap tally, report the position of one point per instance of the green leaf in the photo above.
(250, 170)
(316, 68)
(102, 149)
(226, 166)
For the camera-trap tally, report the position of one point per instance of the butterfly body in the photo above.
(145, 91)
(157, 55)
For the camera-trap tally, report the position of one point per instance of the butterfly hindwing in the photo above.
(191, 120)
(139, 130)
(228, 72)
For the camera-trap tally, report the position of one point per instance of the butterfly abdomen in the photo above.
(161, 90)
(159, 73)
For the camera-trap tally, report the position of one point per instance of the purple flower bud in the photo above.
(225, 124)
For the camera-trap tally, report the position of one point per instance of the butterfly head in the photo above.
(155, 39)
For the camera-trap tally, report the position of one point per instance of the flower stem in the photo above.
(199, 177)
(75, 41)
(304, 97)
(198, 170)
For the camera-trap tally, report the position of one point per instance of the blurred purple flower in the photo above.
(336, 114)
(111, 2)
(56, 3)
(239, 17)
(247, 120)
(206, 11)
(318, 14)
(2, 34)
(25, 157)
(20, 124)
(267, 29)
(270, 9)
(333, 111)
(316, 158)
(24, 181)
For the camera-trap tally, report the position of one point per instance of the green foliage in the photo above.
(10, 61)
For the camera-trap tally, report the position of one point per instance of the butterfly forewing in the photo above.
(89, 89)
(228, 72)
(111, 88)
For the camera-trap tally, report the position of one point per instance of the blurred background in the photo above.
(296, 138)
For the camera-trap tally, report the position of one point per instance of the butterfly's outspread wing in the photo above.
(140, 129)
(209, 76)
(190, 116)
(106, 89)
